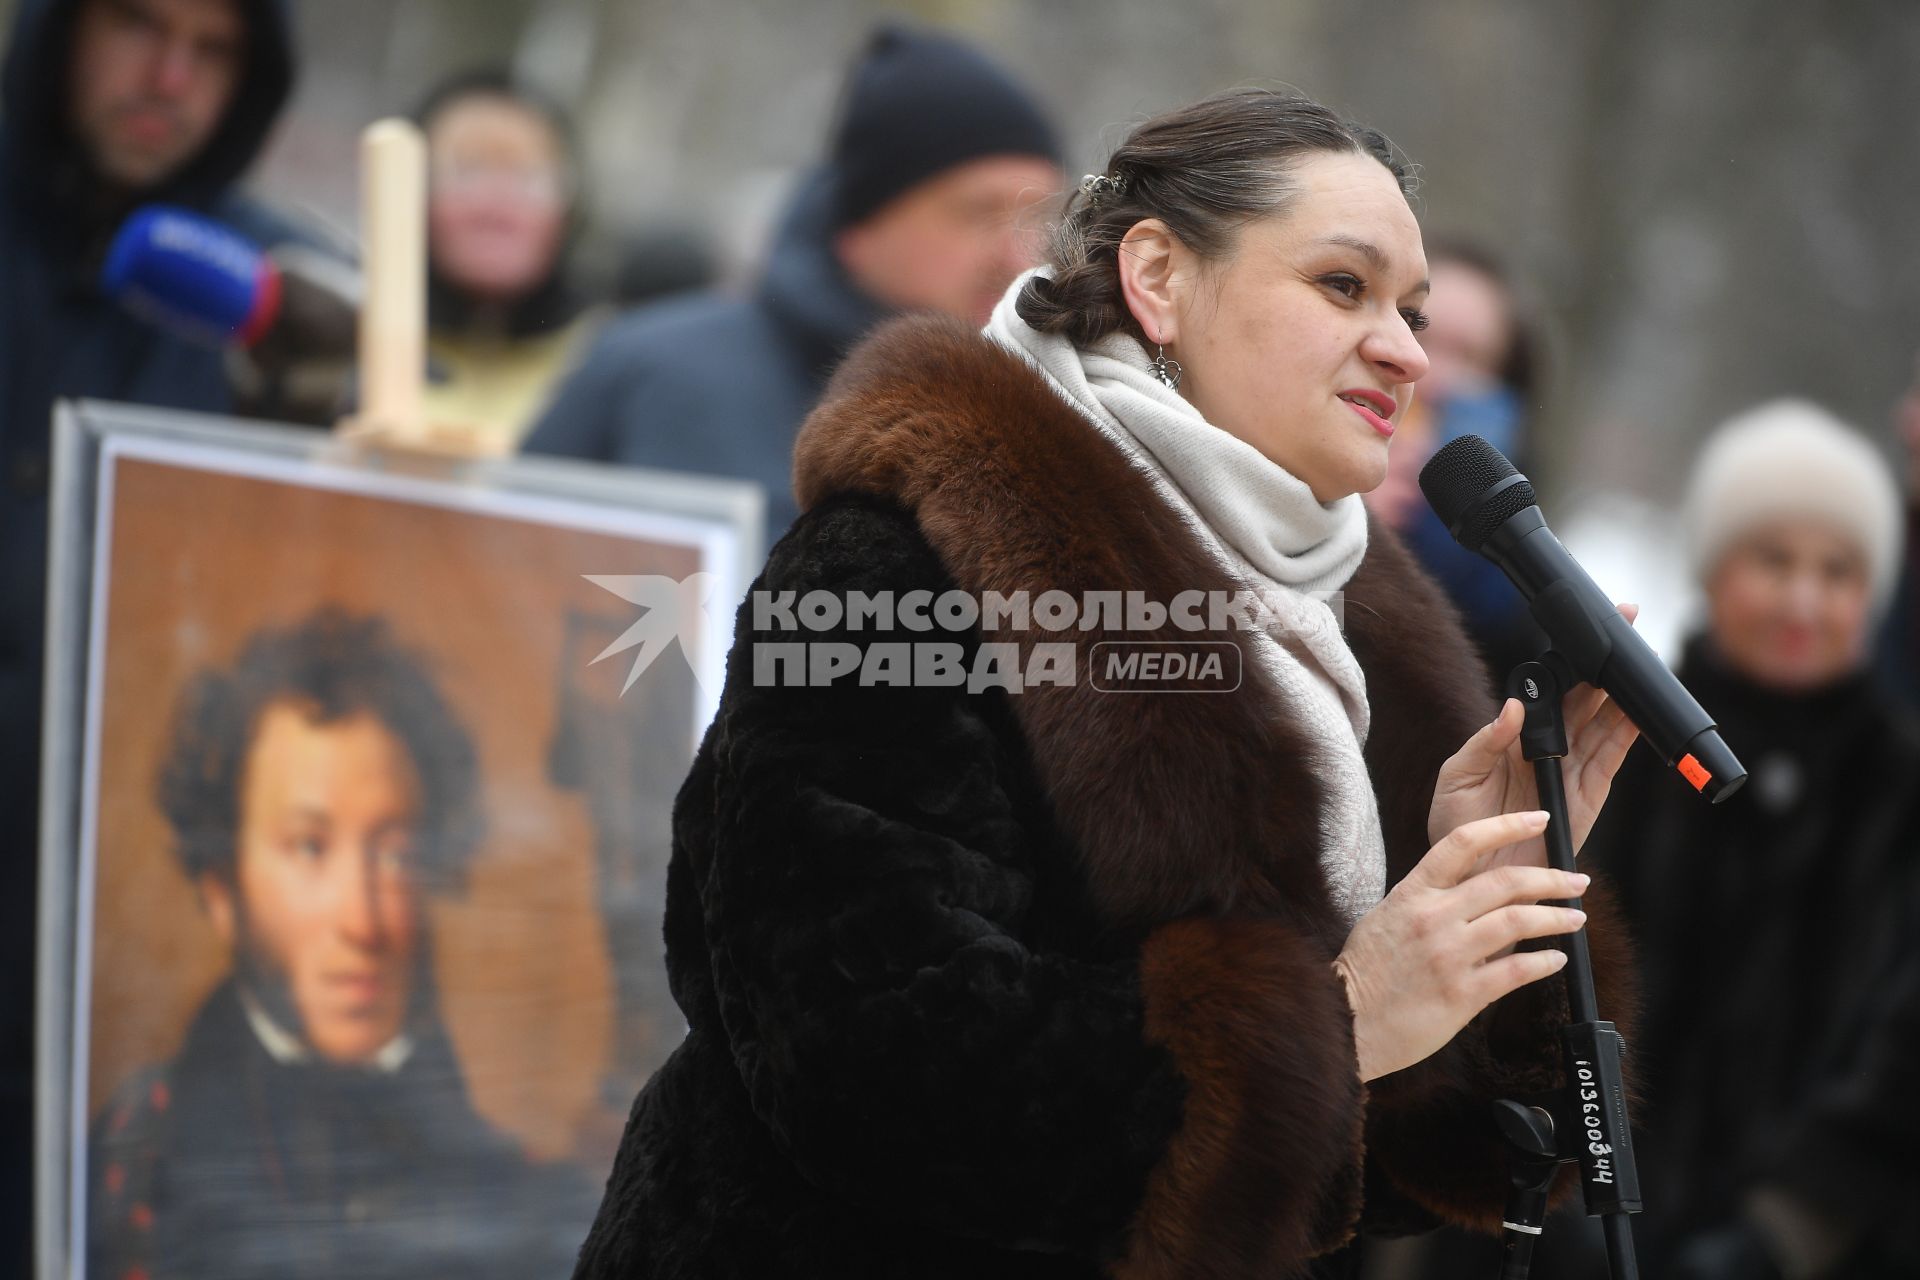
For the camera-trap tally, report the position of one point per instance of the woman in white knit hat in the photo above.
(1771, 925)
(1794, 526)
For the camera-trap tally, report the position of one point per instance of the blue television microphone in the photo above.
(193, 276)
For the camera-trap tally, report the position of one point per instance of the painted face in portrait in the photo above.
(324, 908)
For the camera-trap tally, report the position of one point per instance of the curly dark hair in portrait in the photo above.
(333, 666)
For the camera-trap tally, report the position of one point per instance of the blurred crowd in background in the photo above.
(653, 233)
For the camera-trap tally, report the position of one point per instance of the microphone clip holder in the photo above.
(1586, 1121)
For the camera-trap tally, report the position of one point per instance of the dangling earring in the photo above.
(1168, 371)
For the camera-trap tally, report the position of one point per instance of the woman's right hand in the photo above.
(1439, 948)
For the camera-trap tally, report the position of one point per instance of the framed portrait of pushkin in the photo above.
(358, 770)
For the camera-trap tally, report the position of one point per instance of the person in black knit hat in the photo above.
(936, 154)
(918, 104)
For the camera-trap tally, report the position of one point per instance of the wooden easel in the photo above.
(393, 317)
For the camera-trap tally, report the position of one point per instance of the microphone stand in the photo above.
(1587, 1121)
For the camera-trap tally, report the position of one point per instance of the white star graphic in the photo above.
(674, 609)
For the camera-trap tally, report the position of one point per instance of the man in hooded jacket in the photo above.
(936, 153)
(108, 105)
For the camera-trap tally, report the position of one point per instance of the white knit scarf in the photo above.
(1267, 530)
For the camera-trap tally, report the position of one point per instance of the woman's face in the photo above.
(1788, 605)
(497, 212)
(1302, 342)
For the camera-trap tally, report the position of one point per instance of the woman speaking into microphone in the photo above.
(1033, 914)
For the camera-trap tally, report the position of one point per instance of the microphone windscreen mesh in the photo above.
(1456, 479)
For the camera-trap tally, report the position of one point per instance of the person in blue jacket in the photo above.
(936, 154)
(108, 105)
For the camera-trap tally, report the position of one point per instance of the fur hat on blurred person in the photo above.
(1791, 458)
(918, 103)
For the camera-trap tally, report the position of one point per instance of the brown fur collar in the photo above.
(1178, 804)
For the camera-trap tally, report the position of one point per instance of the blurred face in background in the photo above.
(150, 80)
(954, 242)
(1469, 331)
(497, 211)
(1906, 418)
(1468, 340)
(323, 907)
(1788, 605)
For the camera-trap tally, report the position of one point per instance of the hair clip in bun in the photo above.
(1098, 185)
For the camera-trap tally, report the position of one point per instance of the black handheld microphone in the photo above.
(1490, 509)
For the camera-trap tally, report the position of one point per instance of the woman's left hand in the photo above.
(1488, 775)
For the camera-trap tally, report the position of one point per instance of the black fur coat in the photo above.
(1039, 984)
